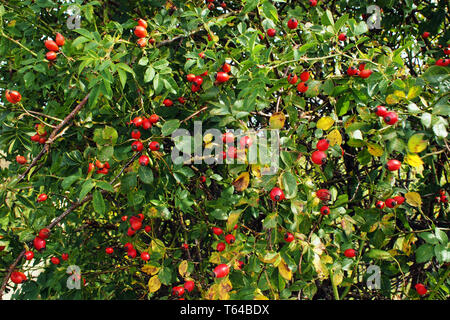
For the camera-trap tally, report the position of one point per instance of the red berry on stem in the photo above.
(350, 253)
(319, 157)
(393, 165)
(154, 146)
(322, 145)
(304, 76)
(271, 32)
(44, 233)
(137, 146)
(140, 32)
(29, 255)
(380, 111)
(189, 285)
(221, 270)
(325, 210)
(276, 194)
(380, 204)
(292, 23)
(323, 194)
(217, 231)
(51, 45)
(288, 237)
(109, 250)
(390, 117)
(59, 39)
(144, 160)
(230, 239)
(220, 246)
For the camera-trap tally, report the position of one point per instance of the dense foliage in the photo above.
(87, 97)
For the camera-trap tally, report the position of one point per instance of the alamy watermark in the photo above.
(74, 280)
(374, 21)
(260, 147)
(74, 20)
(374, 280)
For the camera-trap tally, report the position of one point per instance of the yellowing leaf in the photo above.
(326, 259)
(233, 219)
(400, 94)
(413, 160)
(413, 93)
(260, 296)
(350, 121)
(321, 269)
(416, 143)
(225, 286)
(391, 99)
(211, 294)
(284, 270)
(277, 120)
(374, 149)
(241, 182)
(150, 270)
(338, 277)
(334, 137)
(325, 123)
(256, 170)
(154, 284)
(413, 199)
(270, 257)
(182, 268)
(215, 258)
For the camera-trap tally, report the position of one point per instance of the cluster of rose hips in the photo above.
(135, 225)
(141, 32)
(229, 238)
(102, 168)
(390, 203)
(64, 257)
(196, 80)
(362, 72)
(301, 86)
(442, 197)
(53, 46)
(40, 135)
(137, 146)
(211, 5)
(319, 156)
(13, 96)
(178, 291)
(389, 117)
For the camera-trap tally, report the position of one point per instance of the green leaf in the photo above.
(98, 202)
(149, 74)
(289, 185)
(110, 135)
(429, 237)
(105, 186)
(441, 236)
(379, 254)
(270, 11)
(68, 181)
(424, 253)
(170, 126)
(442, 253)
(145, 174)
